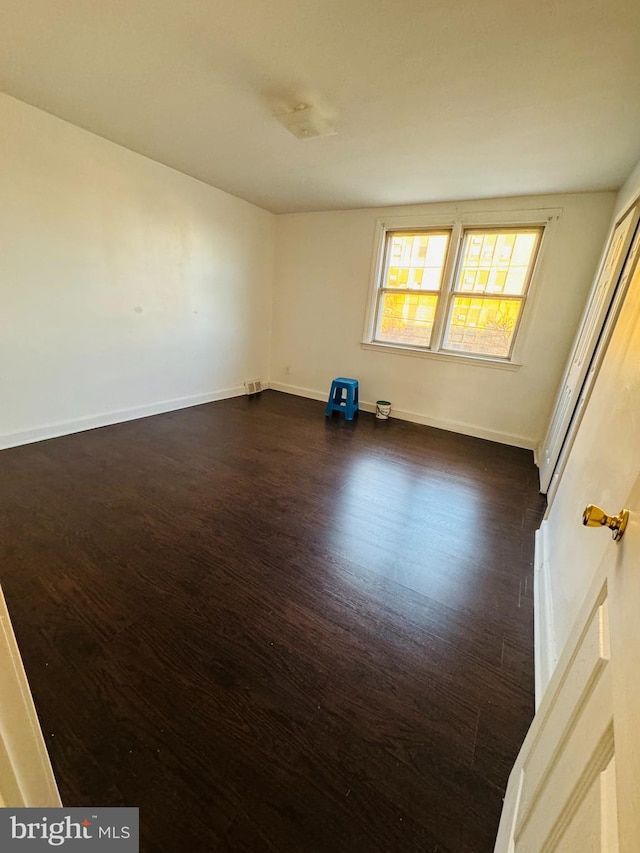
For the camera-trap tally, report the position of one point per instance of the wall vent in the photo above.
(253, 386)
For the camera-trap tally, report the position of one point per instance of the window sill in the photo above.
(476, 361)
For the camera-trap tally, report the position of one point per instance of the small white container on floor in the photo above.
(383, 409)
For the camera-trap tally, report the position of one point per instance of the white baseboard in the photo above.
(414, 417)
(301, 392)
(545, 649)
(55, 430)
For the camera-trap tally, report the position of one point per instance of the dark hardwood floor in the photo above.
(277, 632)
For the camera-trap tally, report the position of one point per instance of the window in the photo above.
(459, 290)
(410, 286)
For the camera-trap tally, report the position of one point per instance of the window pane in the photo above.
(406, 318)
(415, 261)
(497, 262)
(482, 326)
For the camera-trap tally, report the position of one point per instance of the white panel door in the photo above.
(575, 786)
(588, 338)
(576, 783)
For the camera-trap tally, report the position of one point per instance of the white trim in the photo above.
(511, 808)
(471, 360)
(416, 418)
(26, 776)
(54, 430)
(545, 649)
(377, 260)
(588, 349)
(458, 222)
(311, 394)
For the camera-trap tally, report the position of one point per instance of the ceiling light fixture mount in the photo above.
(305, 122)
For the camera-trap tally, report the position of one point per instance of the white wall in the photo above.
(323, 277)
(574, 554)
(125, 287)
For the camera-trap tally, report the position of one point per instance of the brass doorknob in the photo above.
(593, 516)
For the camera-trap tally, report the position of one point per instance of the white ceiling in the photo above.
(432, 99)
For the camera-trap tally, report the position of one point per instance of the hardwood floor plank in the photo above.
(274, 631)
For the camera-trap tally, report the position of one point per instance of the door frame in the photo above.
(593, 340)
(26, 775)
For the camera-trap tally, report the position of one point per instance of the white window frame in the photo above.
(458, 223)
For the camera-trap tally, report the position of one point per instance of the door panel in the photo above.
(591, 656)
(623, 565)
(573, 745)
(593, 826)
(575, 785)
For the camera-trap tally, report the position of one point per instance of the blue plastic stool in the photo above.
(343, 397)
